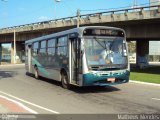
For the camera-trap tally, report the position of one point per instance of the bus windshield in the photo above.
(110, 52)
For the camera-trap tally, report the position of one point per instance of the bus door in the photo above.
(29, 58)
(75, 60)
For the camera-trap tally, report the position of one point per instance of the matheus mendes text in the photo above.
(138, 116)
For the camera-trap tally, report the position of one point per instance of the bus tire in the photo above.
(65, 80)
(36, 74)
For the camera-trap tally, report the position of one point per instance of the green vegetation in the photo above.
(131, 47)
(151, 74)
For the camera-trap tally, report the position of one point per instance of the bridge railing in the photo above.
(136, 9)
(111, 12)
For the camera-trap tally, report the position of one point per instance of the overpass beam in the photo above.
(142, 50)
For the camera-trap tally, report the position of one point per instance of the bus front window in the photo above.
(109, 52)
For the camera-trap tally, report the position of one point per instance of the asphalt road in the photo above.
(47, 96)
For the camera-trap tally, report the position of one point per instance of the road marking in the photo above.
(35, 105)
(155, 99)
(20, 104)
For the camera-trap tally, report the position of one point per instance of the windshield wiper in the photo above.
(99, 43)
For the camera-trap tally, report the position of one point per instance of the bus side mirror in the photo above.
(73, 35)
(29, 46)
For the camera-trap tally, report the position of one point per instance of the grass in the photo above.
(151, 74)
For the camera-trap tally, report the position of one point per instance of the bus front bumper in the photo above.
(92, 79)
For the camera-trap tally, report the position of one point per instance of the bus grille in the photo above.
(105, 81)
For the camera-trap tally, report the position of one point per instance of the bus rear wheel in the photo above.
(36, 75)
(65, 81)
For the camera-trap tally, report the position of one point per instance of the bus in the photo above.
(84, 56)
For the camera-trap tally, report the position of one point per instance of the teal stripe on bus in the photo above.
(41, 69)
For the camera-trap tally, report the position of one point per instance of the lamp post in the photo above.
(135, 3)
(78, 18)
(1, 44)
(55, 1)
(14, 60)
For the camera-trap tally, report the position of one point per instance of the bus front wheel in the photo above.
(65, 81)
(36, 75)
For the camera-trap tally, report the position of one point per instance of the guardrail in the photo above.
(137, 9)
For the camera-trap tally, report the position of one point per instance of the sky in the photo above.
(20, 12)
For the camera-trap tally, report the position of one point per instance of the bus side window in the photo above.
(42, 48)
(62, 46)
(35, 48)
(51, 52)
(51, 43)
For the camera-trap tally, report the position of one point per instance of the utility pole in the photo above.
(0, 43)
(55, 1)
(14, 47)
(78, 18)
(135, 3)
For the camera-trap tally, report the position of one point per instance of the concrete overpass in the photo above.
(141, 24)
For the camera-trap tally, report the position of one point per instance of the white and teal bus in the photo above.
(85, 56)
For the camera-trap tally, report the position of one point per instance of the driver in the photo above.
(106, 55)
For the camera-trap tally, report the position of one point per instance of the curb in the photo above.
(145, 83)
(11, 65)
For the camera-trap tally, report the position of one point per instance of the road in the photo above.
(47, 96)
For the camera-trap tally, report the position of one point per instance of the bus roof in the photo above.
(74, 30)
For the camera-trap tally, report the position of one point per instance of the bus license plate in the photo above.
(111, 80)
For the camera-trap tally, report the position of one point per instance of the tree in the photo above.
(132, 46)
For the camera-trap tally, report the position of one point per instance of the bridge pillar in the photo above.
(19, 52)
(142, 50)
